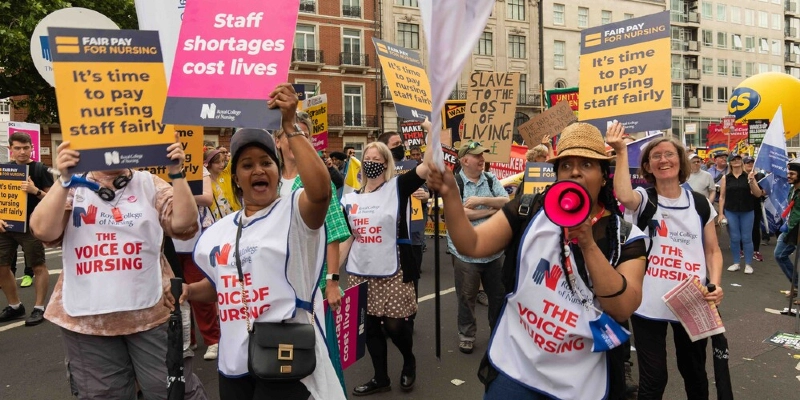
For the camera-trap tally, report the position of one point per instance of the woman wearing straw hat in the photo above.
(543, 343)
(681, 231)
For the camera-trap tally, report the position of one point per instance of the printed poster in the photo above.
(453, 119)
(110, 89)
(516, 163)
(230, 56)
(13, 200)
(191, 138)
(417, 223)
(317, 109)
(32, 130)
(570, 95)
(538, 176)
(407, 80)
(491, 105)
(625, 74)
(413, 135)
(349, 320)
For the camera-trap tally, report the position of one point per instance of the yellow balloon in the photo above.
(759, 96)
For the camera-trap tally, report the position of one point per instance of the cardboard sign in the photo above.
(407, 80)
(413, 135)
(317, 109)
(447, 139)
(625, 74)
(551, 122)
(515, 164)
(230, 56)
(538, 176)
(110, 88)
(349, 321)
(13, 200)
(491, 104)
(32, 130)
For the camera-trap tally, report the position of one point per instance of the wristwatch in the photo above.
(38, 192)
(332, 277)
(297, 131)
(179, 175)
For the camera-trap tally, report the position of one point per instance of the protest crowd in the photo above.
(584, 256)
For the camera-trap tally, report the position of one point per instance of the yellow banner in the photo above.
(406, 79)
(191, 138)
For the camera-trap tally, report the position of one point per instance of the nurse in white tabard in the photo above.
(380, 254)
(282, 248)
(108, 300)
(542, 345)
(682, 238)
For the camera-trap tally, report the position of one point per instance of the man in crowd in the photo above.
(350, 151)
(482, 195)
(338, 159)
(38, 183)
(701, 181)
(786, 243)
(415, 153)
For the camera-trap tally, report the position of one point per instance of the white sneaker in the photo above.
(748, 269)
(212, 352)
(734, 267)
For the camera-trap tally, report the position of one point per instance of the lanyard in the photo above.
(570, 271)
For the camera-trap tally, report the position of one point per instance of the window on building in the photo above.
(583, 17)
(736, 68)
(708, 66)
(736, 15)
(558, 14)
(749, 17)
(515, 9)
(763, 45)
(722, 40)
(763, 19)
(722, 67)
(309, 88)
(722, 12)
(351, 8)
(353, 102)
(351, 46)
(708, 94)
(736, 41)
(308, 6)
(777, 68)
(749, 44)
(776, 47)
(5, 107)
(722, 94)
(305, 43)
(407, 3)
(559, 56)
(708, 10)
(516, 46)
(763, 67)
(560, 84)
(627, 16)
(605, 17)
(408, 35)
(485, 44)
(523, 88)
(776, 21)
(708, 38)
(749, 68)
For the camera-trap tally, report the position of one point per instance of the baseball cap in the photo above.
(720, 153)
(693, 156)
(473, 148)
(748, 159)
(734, 156)
(246, 136)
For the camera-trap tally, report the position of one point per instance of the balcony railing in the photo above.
(351, 11)
(386, 94)
(458, 95)
(354, 59)
(533, 100)
(309, 56)
(353, 120)
(308, 6)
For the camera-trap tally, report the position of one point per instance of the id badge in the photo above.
(607, 333)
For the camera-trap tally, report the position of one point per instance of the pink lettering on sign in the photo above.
(549, 328)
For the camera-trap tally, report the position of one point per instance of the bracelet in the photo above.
(66, 184)
(621, 291)
(332, 277)
(295, 133)
(179, 175)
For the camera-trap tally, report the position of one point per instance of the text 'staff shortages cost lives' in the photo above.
(407, 80)
(625, 74)
(111, 88)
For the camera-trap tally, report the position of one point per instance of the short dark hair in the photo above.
(21, 137)
(417, 148)
(385, 136)
(348, 148)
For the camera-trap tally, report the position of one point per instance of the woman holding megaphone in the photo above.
(681, 236)
(557, 335)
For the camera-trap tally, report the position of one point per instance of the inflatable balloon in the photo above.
(759, 96)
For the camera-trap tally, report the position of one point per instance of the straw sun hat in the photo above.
(581, 140)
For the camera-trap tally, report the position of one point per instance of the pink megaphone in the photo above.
(567, 203)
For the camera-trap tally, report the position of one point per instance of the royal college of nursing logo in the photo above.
(219, 255)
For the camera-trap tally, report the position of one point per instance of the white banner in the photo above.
(164, 16)
(447, 22)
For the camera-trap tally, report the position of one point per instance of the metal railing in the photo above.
(529, 100)
(308, 6)
(309, 56)
(354, 59)
(351, 11)
(457, 95)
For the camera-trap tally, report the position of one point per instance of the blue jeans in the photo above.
(740, 228)
(503, 388)
(782, 252)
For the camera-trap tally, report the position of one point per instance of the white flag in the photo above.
(164, 16)
(452, 28)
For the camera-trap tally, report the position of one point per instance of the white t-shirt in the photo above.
(286, 187)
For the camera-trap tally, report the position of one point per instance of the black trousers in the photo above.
(651, 352)
(250, 388)
(401, 331)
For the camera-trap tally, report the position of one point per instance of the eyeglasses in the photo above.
(658, 156)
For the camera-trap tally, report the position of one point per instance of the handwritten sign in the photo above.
(550, 122)
(13, 200)
(491, 104)
(110, 88)
(407, 80)
(625, 74)
(230, 57)
(317, 109)
(32, 130)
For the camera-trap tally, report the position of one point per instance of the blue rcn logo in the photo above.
(742, 101)
(45, 48)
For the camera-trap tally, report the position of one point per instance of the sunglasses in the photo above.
(474, 145)
(302, 115)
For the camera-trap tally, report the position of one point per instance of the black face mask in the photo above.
(399, 152)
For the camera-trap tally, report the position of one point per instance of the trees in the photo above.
(18, 76)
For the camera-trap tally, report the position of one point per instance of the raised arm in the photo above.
(49, 218)
(622, 176)
(184, 208)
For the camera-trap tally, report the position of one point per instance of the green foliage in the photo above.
(18, 19)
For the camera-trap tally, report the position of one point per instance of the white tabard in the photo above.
(265, 257)
(112, 266)
(373, 220)
(543, 340)
(676, 253)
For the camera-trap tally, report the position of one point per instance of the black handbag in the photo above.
(277, 351)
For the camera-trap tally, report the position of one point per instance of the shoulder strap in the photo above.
(460, 183)
(649, 209)
(702, 207)
(490, 182)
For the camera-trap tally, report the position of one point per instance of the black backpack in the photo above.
(489, 181)
(700, 204)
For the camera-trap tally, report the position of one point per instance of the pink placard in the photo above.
(32, 130)
(229, 58)
(320, 141)
(349, 320)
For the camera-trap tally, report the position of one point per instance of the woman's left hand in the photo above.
(583, 234)
(716, 295)
(175, 153)
(333, 295)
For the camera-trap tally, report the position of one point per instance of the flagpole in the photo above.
(437, 278)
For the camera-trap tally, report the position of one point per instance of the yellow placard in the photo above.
(191, 138)
(317, 109)
(491, 104)
(406, 79)
(13, 200)
(416, 209)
